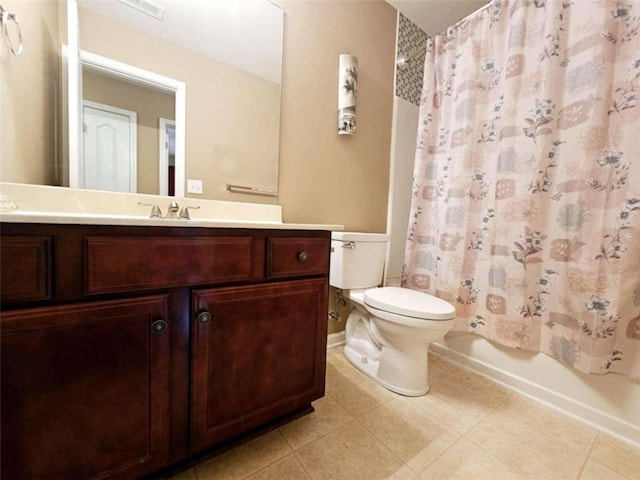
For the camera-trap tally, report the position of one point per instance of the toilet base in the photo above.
(371, 368)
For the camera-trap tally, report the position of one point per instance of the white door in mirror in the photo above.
(109, 148)
(194, 186)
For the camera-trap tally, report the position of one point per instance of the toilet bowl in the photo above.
(390, 328)
(388, 334)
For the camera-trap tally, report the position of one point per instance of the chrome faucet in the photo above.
(173, 210)
(171, 213)
(184, 213)
(155, 209)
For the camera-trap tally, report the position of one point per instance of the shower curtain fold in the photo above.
(526, 190)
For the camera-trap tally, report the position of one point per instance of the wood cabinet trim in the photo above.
(122, 264)
(26, 268)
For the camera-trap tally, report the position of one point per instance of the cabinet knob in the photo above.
(204, 317)
(303, 256)
(158, 326)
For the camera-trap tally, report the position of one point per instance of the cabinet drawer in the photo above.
(290, 257)
(118, 264)
(25, 268)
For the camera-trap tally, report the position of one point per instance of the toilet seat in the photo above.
(404, 302)
(404, 320)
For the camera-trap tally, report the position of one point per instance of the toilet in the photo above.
(390, 328)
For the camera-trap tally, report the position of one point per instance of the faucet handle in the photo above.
(155, 209)
(184, 213)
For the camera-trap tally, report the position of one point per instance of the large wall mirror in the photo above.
(226, 55)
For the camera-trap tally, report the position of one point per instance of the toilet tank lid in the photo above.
(411, 303)
(359, 237)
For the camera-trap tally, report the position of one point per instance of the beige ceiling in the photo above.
(434, 16)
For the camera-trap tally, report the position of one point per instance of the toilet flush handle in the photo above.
(349, 245)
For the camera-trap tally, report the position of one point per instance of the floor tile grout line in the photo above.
(267, 465)
(384, 445)
(379, 402)
(493, 457)
(546, 434)
(285, 438)
(587, 456)
(549, 434)
(441, 453)
(326, 433)
(353, 417)
(565, 444)
(295, 453)
(353, 420)
(339, 371)
(434, 375)
(489, 413)
(477, 422)
(433, 417)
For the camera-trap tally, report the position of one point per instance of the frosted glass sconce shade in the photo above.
(347, 90)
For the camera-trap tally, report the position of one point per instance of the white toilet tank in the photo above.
(357, 259)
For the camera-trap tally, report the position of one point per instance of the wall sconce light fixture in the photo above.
(347, 89)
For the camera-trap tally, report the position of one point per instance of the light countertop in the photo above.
(58, 205)
(106, 219)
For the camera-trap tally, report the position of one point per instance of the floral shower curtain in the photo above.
(526, 201)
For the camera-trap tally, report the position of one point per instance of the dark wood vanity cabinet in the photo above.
(254, 354)
(128, 349)
(84, 389)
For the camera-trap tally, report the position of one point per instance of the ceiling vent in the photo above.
(145, 6)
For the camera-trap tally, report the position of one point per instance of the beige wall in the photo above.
(324, 177)
(222, 145)
(29, 89)
(150, 105)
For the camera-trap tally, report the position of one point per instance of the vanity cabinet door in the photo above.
(257, 353)
(85, 389)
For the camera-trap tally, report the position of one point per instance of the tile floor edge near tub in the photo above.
(546, 403)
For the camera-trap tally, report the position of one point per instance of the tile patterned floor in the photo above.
(466, 428)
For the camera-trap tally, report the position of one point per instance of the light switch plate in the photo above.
(194, 186)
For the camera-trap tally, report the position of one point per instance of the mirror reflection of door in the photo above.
(150, 104)
(109, 148)
(167, 158)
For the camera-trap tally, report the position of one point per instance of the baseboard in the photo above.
(586, 414)
(335, 339)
